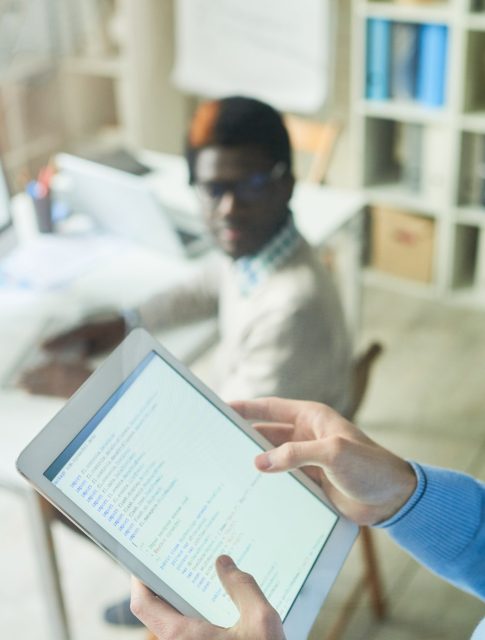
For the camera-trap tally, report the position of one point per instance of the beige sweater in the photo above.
(286, 338)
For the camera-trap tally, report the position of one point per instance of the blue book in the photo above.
(433, 53)
(404, 60)
(378, 59)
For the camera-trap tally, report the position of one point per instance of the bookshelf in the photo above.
(101, 78)
(116, 77)
(422, 152)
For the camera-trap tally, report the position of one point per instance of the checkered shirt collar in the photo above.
(252, 270)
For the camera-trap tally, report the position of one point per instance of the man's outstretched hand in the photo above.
(56, 378)
(89, 338)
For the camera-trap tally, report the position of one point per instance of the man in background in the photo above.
(281, 325)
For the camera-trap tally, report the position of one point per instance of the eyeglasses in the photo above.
(247, 191)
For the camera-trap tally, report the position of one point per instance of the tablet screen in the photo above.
(172, 479)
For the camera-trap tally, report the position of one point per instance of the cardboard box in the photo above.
(402, 243)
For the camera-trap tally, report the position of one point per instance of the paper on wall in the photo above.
(276, 50)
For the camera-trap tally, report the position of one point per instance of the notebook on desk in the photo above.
(125, 204)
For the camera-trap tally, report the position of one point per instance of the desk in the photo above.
(320, 213)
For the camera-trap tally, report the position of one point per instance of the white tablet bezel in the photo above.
(86, 402)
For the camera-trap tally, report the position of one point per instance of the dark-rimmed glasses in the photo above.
(248, 190)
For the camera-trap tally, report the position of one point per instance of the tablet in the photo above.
(160, 473)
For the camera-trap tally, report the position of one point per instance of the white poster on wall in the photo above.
(275, 50)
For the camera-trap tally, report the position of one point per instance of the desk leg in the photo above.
(49, 573)
(347, 245)
(356, 230)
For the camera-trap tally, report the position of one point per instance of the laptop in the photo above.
(125, 203)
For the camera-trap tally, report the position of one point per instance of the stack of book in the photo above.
(406, 61)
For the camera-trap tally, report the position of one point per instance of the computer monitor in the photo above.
(7, 232)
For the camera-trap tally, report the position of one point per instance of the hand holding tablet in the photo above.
(160, 473)
(367, 482)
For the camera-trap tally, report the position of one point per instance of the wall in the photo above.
(161, 123)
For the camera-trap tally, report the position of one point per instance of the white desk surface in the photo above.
(320, 211)
(125, 280)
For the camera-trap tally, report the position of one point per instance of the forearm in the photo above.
(443, 526)
(195, 298)
(179, 306)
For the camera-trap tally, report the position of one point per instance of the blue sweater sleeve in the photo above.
(442, 525)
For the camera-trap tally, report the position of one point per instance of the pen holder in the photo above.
(43, 209)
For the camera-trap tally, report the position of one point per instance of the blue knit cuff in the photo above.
(441, 518)
(411, 502)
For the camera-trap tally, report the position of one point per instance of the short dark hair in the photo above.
(234, 122)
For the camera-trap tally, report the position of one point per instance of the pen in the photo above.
(45, 175)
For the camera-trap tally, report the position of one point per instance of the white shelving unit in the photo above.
(30, 114)
(105, 82)
(459, 225)
(117, 87)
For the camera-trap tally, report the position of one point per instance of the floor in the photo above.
(426, 401)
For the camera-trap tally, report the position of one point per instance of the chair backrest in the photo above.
(360, 376)
(318, 139)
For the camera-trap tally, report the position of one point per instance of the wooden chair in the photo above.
(361, 371)
(317, 139)
(371, 579)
